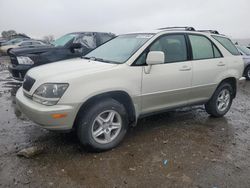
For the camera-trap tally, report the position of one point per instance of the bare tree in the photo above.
(8, 34)
(48, 39)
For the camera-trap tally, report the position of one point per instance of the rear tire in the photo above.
(102, 126)
(247, 73)
(221, 100)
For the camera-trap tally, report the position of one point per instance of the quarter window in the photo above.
(228, 44)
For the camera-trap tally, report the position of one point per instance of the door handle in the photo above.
(220, 64)
(185, 68)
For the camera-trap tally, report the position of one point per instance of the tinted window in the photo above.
(228, 44)
(173, 46)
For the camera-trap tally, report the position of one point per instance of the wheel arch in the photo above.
(8, 51)
(120, 96)
(232, 81)
(248, 66)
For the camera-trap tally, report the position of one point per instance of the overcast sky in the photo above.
(38, 18)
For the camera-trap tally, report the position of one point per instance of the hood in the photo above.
(62, 70)
(31, 50)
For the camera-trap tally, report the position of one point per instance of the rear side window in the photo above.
(228, 44)
(203, 48)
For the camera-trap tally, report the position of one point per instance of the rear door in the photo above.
(208, 63)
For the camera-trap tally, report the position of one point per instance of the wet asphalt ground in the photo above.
(182, 148)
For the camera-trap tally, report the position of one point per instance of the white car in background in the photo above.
(132, 76)
(245, 52)
(25, 43)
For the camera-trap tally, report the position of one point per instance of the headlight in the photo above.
(49, 94)
(24, 60)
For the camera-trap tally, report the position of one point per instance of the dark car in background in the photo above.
(71, 45)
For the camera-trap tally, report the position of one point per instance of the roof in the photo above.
(82, 32)
(176, 29)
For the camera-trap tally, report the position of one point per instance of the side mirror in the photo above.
(155, 57)
(75, 46)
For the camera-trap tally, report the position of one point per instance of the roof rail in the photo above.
(185, 28)
(209, 31)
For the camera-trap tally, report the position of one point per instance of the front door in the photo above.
(167, 85)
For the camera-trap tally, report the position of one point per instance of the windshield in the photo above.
(244, 49)
(62, 41)
(119, 49)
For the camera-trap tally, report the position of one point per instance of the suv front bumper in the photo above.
(43, 115)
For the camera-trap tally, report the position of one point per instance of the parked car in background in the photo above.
(2, 40)
(68, 46)
(131, 76)
(13, 41)
(245, 52)
(10, 42)
(24, 43)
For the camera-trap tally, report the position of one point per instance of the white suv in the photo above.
(131, 76)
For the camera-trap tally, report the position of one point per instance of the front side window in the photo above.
(119, 49)
(88, 40)
(227, 43)
(173, 46)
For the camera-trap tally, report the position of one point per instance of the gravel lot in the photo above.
(182, 148)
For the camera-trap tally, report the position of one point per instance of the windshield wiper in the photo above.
(83, 57)
(104, 60)
(98, 59)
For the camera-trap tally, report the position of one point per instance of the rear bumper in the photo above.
(18, 72)
(42, 114)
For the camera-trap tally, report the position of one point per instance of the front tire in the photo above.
(102, 126)
(221, 101)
